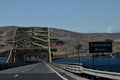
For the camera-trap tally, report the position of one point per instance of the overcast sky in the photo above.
(86, 16)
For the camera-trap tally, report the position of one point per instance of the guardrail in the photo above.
(79, 69)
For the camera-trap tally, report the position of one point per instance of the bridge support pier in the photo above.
(20, 58)
(17, 58)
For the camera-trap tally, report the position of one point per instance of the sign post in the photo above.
(100, 47)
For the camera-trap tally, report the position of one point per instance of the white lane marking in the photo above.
(23, 71)
(57, 73)
(16, 75)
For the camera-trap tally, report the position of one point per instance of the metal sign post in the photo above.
(108, 59)
(93, 64)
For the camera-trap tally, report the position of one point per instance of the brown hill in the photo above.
(72, 38)
(69, 38)
(6, 37)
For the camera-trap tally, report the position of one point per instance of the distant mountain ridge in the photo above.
(68, 37)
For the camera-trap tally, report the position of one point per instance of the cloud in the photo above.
(113, 30)
(109, 30)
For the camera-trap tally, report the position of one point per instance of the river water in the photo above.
(105, 64)
(2, 61)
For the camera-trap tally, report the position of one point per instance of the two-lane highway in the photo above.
(38, 71)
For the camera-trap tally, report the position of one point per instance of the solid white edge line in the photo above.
(57, 73)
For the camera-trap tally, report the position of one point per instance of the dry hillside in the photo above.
(72, 38)
(6, 37)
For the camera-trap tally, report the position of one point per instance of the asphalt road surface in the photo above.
(39, 71)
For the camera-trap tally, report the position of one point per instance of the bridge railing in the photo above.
(69, 67)
(79, 69)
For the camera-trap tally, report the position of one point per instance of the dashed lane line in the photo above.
(16, 75)
(23, 71)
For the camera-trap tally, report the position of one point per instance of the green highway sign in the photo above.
(100, 47)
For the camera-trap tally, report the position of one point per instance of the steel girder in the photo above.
(30, 41)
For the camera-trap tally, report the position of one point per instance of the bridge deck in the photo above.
(39, 71)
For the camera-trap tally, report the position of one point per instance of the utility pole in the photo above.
(78, 47)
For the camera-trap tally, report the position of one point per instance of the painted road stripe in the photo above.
(16, 75)
(23, 71)
(57, 73)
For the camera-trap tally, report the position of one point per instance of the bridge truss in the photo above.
(30, 41)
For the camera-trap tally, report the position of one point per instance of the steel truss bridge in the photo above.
(28, 42)
(35, 42)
